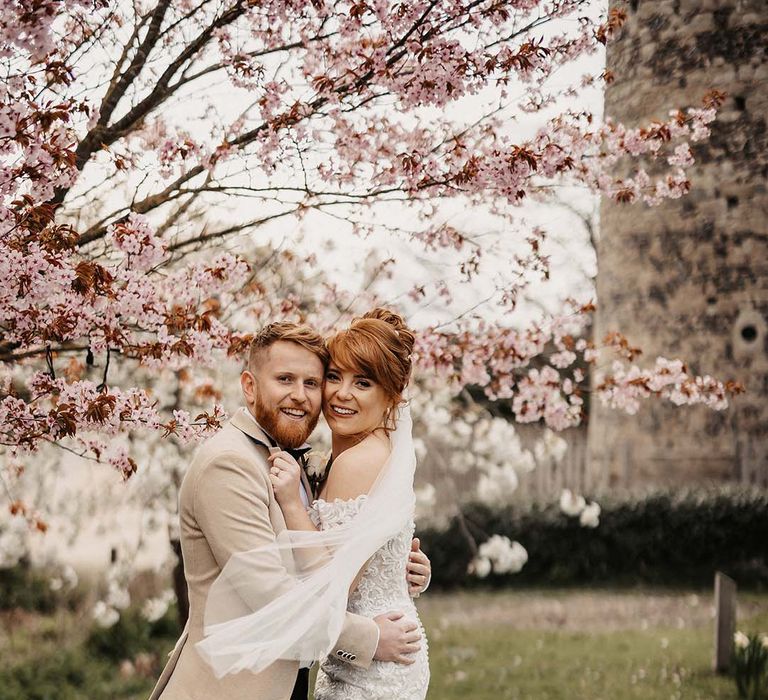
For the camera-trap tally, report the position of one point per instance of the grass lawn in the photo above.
(487, 651)
(542, 645)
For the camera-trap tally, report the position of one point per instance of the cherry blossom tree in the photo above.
(149, 150)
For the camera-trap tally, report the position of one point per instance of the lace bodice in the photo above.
(383, 585)
(381, 588)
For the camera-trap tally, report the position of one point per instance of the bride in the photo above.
(348, 549)
(368, 371)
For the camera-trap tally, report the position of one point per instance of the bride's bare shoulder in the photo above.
(354, 470)
(373, 451)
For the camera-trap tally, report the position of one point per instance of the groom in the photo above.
(226, 505)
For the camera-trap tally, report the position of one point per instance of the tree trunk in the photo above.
(180, 584)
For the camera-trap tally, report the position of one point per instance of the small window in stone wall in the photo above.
(748, 332)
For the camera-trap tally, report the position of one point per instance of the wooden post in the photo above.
(725, 620)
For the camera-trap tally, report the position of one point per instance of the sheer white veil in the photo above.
(288, 600)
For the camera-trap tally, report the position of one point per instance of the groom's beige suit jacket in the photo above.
(227, 505)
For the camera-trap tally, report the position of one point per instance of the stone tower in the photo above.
(689, 279)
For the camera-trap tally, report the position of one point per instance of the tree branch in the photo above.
(103, 135)
(120, 83)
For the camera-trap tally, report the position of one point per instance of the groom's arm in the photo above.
(358, 641)
(231, 505)
(398, 640)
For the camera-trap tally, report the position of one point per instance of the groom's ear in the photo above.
(248, 385)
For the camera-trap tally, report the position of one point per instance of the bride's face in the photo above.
(353, 403)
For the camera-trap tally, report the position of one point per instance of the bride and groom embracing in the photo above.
(280, 573)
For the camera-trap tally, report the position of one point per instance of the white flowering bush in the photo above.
(464, 440)
(467, 439)
(496, 484)
(571, 504)
(107, 610)
(500, 555)
(575, 506)
(154, 609)
(129, 633)
(105, 615)
(65, 580)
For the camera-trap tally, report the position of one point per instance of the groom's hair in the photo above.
(292, 332)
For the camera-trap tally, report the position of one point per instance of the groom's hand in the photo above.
(285, 475)
(398, 638)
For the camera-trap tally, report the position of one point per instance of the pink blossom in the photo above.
(347, 105)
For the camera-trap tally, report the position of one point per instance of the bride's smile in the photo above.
(341, 411)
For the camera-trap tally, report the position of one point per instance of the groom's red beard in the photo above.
(287, 432)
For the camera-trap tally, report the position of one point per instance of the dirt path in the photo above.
(582, 610)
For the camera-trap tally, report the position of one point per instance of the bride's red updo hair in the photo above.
(379, 344)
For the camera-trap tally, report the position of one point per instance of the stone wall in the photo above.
(689, 279)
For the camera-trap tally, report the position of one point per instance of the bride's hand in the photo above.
(285, 475)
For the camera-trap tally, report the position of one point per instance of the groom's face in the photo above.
(284, 391)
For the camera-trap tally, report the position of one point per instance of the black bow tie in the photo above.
(297, 452)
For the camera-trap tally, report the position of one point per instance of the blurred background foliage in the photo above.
(662, 539)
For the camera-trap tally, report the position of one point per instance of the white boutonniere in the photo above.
(317, 463)
(316, 468)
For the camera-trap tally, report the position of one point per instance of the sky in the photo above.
(344, 257)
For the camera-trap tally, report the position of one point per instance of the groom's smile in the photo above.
(294, 413)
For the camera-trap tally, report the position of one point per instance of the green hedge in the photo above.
(661, 539)
(23, 587)
(131, 634)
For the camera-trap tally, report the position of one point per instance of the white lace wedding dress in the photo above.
(381, 589)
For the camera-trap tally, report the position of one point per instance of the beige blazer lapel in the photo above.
(243, 420)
